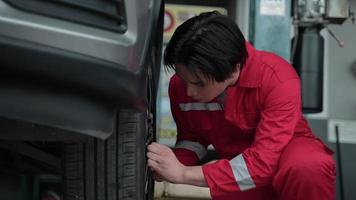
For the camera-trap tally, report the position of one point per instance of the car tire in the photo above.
(109, 169)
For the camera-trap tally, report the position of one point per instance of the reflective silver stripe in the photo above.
(200, 106)
(196, 147)
(242, 176)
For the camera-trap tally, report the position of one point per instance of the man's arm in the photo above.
(162, 161)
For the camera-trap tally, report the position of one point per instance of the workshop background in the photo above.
(316, 36)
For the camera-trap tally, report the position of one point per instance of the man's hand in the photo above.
(164, 163)
(166, 167)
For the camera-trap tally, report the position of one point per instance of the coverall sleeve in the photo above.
(189, 149)
(256, 166)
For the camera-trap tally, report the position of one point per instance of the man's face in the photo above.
(202, 89)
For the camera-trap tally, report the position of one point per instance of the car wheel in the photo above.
(111, 169)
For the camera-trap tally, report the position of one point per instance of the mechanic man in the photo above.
(247, 104)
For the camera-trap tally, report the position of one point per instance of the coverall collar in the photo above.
(250, 76)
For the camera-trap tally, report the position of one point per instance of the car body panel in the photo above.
(71, 76)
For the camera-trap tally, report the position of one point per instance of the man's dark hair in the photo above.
(210, 43)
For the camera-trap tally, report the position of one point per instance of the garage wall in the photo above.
(340, 101)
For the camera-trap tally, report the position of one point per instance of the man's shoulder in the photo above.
(176, 87)
(276, 66)
(176, 82)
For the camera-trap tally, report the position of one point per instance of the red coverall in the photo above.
(266, 147)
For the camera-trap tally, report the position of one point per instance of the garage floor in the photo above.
(163, 190)
(169, 191)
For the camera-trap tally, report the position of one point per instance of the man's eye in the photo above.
(200, 84)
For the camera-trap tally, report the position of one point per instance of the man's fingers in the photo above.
(152, 147)
(157, 177)
(153, 156)
(157, 148)
(152, 164)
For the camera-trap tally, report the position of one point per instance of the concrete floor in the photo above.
(169, 191)
(163, 190)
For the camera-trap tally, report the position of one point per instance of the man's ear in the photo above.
(237, 66)
(235, 75)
